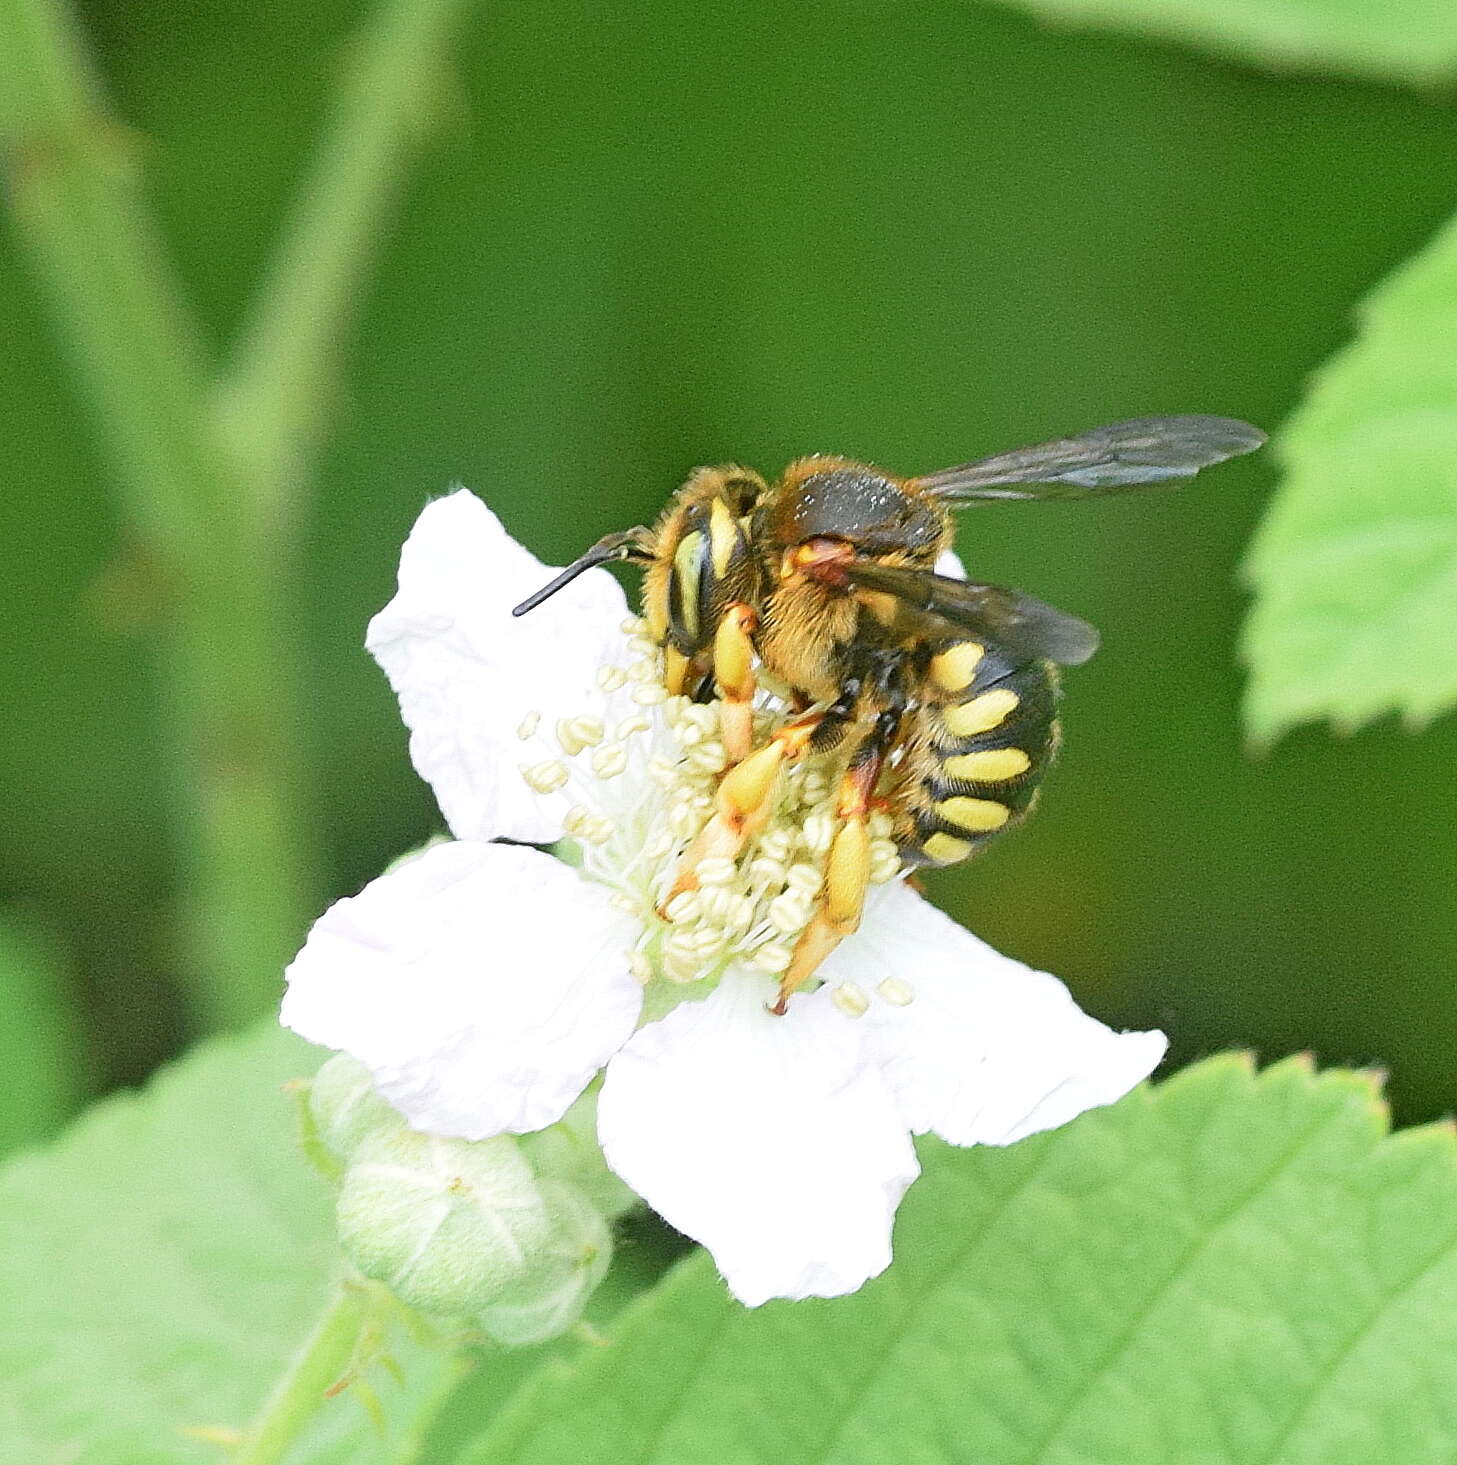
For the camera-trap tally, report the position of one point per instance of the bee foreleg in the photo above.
(733, 669)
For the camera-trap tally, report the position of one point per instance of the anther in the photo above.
(649, 695)
(571, 744)
(896, 992)
(629, 726)
(588, 731)
(850, 999)
(546, 778)
(610, 678)
(641, 670)
(683, 907)
(818, 831)
(609, 761)
(804, 879)
(789, 912)
(528, 725)
(632, 626)
(641, 968)
(772, 958)
(577, 819)
(715, 871)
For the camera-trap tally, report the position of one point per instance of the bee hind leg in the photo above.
(847, 870)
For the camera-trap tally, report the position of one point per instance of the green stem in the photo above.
(301, 1390)
(226, 653)
(275, 397)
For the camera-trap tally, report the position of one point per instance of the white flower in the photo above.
(484, 983)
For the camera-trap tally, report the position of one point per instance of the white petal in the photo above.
(770, 1140)
(987, 1050)
(950, 565)
(483, 985)
(467, 672)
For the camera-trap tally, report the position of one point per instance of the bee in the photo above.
(823, 587)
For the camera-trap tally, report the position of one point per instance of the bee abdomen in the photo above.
(986, 745)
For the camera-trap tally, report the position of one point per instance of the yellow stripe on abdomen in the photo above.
(982, 713)
(994, 765)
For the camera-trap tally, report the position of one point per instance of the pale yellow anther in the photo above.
(633, 626)
(715, 871)
(528, 726)
(775, 844)
(643, 670)
(684, 820)
(683, 907)
(818, 831)
(577, 819)
(708, 757)
(708, 941)
(789, 912)
(881, 825)
(766, 871)
(629, 727)
(624, 902)
(571, 745)
(662, 843)
(641, 968)
(739, 914)
(609, 760)
(896, 992)
(649, 695)
(850, 999)
(642, 646)
(772, 958)
(804, 879)
(599, 830)
(589, 731)
(547, 777)
(611, 678)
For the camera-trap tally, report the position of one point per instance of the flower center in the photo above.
(641, 780)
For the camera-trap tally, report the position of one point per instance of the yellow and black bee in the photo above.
(823, 587)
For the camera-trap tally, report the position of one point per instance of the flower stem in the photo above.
(276, 394)
(224, 630)
(304, 1385)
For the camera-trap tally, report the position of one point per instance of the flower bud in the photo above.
(465, 1229)
(345, 1107)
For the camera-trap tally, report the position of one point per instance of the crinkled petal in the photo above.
(483, 985)
(771, 1140)
(467, 672)
(988, 1050)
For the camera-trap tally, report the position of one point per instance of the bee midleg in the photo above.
(847, 869)
(743, 802)
(733, 670)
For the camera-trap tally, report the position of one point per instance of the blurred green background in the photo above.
(648, 237)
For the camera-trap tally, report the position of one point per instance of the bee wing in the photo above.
(1110, 459)
(1015, 623)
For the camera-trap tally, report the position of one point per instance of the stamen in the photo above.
(805, 880)
(588, 731)
(683, 907)
(609, 761)
(641, 968)
(896, 992)
(789, 913)
(773, 958)
(630, 726)
(715, 872)
(571, 744)
(649, 695)
(529, 725)
(611, 678)
(850, 999)
(641, 670)
(632, 626)
(546, 778)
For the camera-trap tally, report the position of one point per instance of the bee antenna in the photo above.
(620, 546)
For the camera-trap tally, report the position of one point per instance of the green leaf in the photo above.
(1401, 40)
(161, 1264)
(1228, 1270)
(41, 1053)
(1355, 567)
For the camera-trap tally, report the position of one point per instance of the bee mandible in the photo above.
(941, 693)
